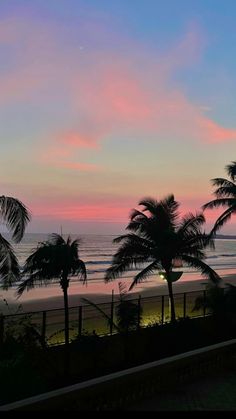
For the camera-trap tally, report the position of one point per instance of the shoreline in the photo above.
(145, 289)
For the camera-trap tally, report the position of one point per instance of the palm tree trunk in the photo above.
(171, 298)
(67, 350)
(66, 313)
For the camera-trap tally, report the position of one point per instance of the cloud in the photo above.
(125, 92)
(83, 167)
(62, 148)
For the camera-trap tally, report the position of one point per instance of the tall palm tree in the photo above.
(54, 259)
(15, 215)
(157, 238)
(225, 196)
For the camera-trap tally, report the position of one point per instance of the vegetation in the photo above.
(15, 216)
(225, 197)
(52, 260)
(157, 239)
(128, 313)
(220, 301)
(28, 369)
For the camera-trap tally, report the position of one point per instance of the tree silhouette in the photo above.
(225, 197)
(15, 215)
(54, 259)
(157, 238)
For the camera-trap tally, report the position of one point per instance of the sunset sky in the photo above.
(103, 102)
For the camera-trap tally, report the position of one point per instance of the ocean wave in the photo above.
(225, 255)
(97, 262)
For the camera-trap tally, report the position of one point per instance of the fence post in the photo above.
(43, 332)
(162, 308)
(204, 303)
(112, 312)
(1, 329)
(139, 310)
(184, 305)
(80, 321)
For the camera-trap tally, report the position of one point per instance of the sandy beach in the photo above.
(51, 297)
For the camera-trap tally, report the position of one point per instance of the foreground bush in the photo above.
(27, 370)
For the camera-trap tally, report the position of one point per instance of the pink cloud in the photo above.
(73, 139)
(83, 167)
(215, 133)
(110, 93)
(61, 150)
(99, 207)
(61, 157)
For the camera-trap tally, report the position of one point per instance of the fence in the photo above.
(86, 319)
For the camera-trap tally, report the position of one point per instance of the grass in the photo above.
(95, 322)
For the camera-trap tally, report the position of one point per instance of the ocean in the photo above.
(97, 251)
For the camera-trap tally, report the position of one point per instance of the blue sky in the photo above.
(103, 102)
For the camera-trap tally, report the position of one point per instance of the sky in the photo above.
(104, 102)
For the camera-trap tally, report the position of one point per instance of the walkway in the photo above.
(215, 393)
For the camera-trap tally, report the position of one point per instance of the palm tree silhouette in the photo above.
(15, 216)
(158, 239)
(225, 196)
(54, 259)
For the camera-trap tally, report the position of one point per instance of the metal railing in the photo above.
(86, 319)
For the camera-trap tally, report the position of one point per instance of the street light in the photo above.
(172, 277)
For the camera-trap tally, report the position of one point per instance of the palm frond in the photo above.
(231, 170)
(15, 215)
(149, 204)
(226, 192)
(198, 240)
(140, 224)
(219, 182)
(34, 280)
(191, 223)
(205, 269)
(56, 240)
(223, 219)
(81, 271)
(132, 238)
(166, 210)
(145, 273)
(120, 266)
(9, 266)
(216, 203)
(136, 214)
(133, 245)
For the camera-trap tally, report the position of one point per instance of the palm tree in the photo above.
(157, 239)
(225, 196)
(15, 216)
(54, 259)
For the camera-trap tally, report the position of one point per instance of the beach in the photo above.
(97, 251)
(51, 297)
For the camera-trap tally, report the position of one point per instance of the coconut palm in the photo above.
(15, 216)
(54, 259)
(157, 238)
(225, 196)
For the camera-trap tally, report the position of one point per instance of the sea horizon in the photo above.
(96, 251)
